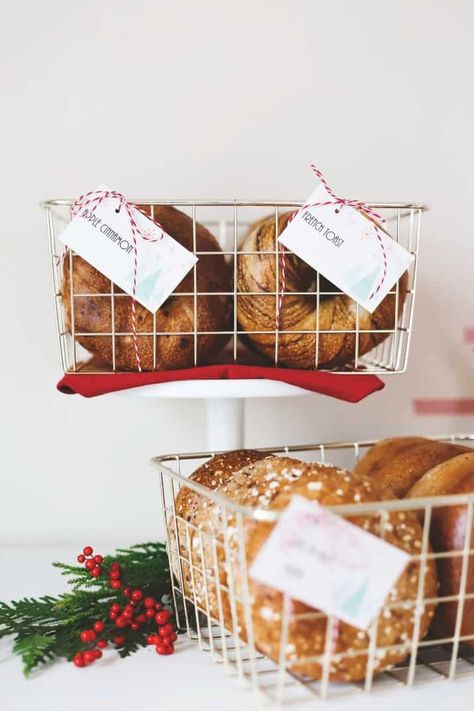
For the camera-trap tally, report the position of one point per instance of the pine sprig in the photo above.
(34, 649)
(48, 627)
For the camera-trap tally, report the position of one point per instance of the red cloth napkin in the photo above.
(351, 388)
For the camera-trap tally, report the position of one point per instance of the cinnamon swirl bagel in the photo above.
(334, 320)
(92, 313)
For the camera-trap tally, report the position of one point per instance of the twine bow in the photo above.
(339, 202)
(94, 199)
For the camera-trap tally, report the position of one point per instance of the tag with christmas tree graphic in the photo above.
(347, 248)
(324, 561)
(103, 237)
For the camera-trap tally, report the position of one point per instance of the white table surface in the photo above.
(146, 682)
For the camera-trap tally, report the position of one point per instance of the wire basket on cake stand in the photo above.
(230, 220)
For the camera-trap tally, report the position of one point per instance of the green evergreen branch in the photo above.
(47, 628)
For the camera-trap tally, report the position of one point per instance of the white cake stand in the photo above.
(224, 403)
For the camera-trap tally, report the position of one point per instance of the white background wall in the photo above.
(219, 99)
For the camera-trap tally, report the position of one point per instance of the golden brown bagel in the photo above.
(212, 474)
(377, 457)
(397, 464)
(213, 562)
(448, 533)
(306, 635)
(270, 483)
(256, 273)
(93, 314)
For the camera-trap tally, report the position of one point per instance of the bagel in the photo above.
(448, 533)
(307, 626)
(256, 274)
(220, 564)
(398, 463)
(212, 474)
(93, 312)
(214, 526)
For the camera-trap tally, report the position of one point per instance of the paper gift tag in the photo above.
(324, 561)
(344, 247)
(103, 237)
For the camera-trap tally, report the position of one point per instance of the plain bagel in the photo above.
(448, 533)
(398, 463)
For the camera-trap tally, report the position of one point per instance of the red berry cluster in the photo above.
(166, 636)
(87, 656)
(91, 563)
(135, 613)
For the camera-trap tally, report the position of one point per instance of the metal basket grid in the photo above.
(229, 221)
(428, 659)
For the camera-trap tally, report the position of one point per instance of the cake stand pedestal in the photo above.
(225, 403)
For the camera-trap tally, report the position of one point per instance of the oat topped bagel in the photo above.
(215, 537)
(212, 474)
(306, 636)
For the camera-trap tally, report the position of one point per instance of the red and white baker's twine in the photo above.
(95, 198)
(340, 203)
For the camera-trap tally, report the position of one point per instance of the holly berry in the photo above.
(115, 607)
(164, 649)
(90, 565)
(114, 575)
(95, 572)
(98, 626)
(126, 591)
(113, 615)
(87, 636)
(121, 621)
(149, 614)
(134, 626)
(140, 619)
(166, 630)
(80, 559)
(151, 639)
(88, 550)
(97, 653)
(149, 602)
(89, 656)
(116, 566)
(136, 595)
(118, 640)
(78, 660)
(127, 611)
(102, 643)
(173, 637)
(115, 584)
(158, 606)
(162, 617)
(98, 559)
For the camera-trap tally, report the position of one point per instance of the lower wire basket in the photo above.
(213, 599)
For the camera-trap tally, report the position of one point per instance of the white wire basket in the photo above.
(229, 221)
(425, 659)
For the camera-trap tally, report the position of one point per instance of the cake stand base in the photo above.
(225, 403)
